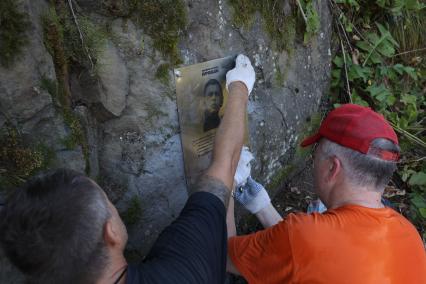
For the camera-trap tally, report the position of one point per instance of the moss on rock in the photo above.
(77, 136)
(162, 73)
(133, 213)
(13, 25)
(19, 161)
(163, 21)
(280, 177)
(278, 21)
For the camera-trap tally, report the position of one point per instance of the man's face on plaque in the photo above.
(212, 98)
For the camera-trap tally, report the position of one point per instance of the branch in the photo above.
(81, 34)
(346, 71)
(301, 11)
(410, 51)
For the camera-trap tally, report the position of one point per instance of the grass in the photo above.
(13, 25)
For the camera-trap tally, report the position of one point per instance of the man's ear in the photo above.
(335, 167)
(111, 233)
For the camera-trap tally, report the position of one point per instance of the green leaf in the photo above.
(411, 72)
(422, 212)
(338, 61)
(418, 179)
(390, 100)
(358, 101)
(336, 73)
(399, 68)
(364, 45)
(408, 99)
(375, 90)
(418, 201)
(381, 3)
(357, 72)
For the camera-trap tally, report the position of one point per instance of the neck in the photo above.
(356, 195)
(117, 264)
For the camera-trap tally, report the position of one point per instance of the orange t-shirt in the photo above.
(350, 244)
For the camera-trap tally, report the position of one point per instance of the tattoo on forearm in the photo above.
(214, 186)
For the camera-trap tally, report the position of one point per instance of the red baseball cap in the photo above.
(355, 127)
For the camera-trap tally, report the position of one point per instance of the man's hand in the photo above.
(252, 196)
(243, 72)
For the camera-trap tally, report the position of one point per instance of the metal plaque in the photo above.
(201, 100)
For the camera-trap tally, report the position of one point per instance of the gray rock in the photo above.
(114, 80)
(130, 117)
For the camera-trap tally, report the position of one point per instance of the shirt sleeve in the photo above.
(192, 249)
(265, 256)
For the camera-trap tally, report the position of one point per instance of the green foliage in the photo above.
(133, 213)
(67, 35)
(164, 21)
(391, 84)
(313, 21)
(19, 161)
(94, 38)
(51, 20)
(13, 25)
(377, 45)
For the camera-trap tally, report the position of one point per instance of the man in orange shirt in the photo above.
(358, 239)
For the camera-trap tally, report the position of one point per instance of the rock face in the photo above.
(130, 117)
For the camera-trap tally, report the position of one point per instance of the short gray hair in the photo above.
(52, 228)
(363, 169)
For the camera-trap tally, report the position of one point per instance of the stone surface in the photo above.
(130, 117)
(113, 77)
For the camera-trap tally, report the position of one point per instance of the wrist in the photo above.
(238, 87)
(260, 203)
(266, 210)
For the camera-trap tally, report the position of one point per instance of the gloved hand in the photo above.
(243, 72)
(252, 196)
(243, 168)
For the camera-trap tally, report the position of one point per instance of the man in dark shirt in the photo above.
(61, 228)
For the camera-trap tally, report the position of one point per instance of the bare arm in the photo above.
(228, 142)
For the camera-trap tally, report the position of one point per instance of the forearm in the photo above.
(230, 136)
(269, 216)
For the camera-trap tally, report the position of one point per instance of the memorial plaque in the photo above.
(201, 100)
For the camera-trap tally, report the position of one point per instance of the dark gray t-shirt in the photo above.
(191, 250)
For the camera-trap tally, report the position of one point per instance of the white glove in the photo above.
(252, 196)
(243, 168)
(242, 72)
